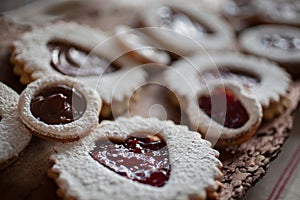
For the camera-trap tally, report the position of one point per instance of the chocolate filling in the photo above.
(248, 79)
(234, 115)
(73, 60)
(142, 157)
(58, 104)
(182, 23)
(282, 42)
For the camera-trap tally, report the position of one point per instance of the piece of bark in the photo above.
(247, 163)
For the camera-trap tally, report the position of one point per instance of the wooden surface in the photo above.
(244, 165)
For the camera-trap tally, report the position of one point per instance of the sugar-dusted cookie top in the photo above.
(168, 162)
(14, 136)
(265, 79)
(279, 43)
(90, 55)
(59, 108)
(225, 112)
(186, 28)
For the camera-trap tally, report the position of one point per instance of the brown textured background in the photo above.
(244, 165)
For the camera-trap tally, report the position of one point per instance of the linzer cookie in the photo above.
(225, 113)
(183, 29)
(266, 80)
(140, 158)
(56, 49)
(14, 136)
(77, 51)
(280, 11)
(275, 42)
(140, 47)
(59, 108)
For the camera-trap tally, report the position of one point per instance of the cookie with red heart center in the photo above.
(265, 79)
(141, 158)
(225, 113)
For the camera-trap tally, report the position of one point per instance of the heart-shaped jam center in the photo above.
(246, 78)
(72, 60)
(58, 104)
(141, 157)
(182, 23)
(234, 115)
(281, 42)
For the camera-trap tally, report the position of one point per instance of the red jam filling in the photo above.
(282, 42)
(141, 157)
(247, 79)
(72, 60)
(234, 115)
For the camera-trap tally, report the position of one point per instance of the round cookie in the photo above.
(278, 43)
(87, 54)
(185, 28)
(225, 113)
(192, 174)
(14, 136)
(266, 80)
(59, 108)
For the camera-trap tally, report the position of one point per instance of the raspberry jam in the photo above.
(141, 157)
(247, 79)
(234, 115)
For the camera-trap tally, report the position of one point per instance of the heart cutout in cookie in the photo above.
(234, 115)
(141, 157)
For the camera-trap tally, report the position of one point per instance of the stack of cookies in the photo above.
(227, 78)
